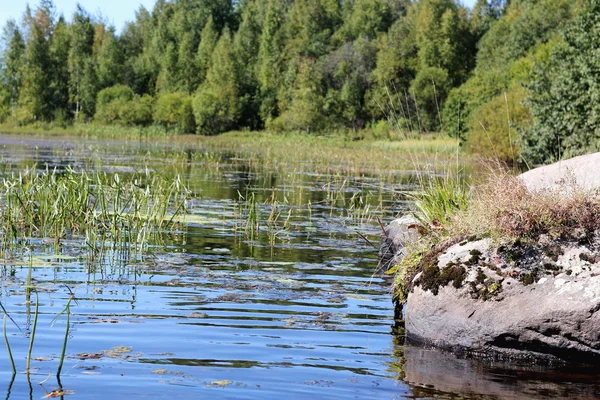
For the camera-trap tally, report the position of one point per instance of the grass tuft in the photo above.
(501, 208)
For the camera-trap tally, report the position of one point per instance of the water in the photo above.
(295, 310)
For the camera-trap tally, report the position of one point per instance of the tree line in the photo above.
(485, 75)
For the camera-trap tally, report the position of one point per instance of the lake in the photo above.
(271, 290)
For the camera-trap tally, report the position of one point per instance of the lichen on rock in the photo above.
(525, 284)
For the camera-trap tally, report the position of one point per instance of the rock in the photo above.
(583, 170)
(524, 307)
(394, 239)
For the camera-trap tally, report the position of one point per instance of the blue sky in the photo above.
(116, 11)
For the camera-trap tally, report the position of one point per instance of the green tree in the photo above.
(217, 104)
(396, 65)
(305, 112)
(187, 66)
(80, 62)
(368, 18)
(483, 16)
(431, 86)
(563, 92)
(269, 59)
(309, 27)
(523, 27)
(34, 96)
(443, 38)
(208, 41)
(496, 126)
(59, 78)
(246, 43)
(109, 60)
(12, 59)
(174, 110)
(346, 75)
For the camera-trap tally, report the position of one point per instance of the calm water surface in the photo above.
(293, 311)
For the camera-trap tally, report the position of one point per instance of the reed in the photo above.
(96, 206)
(67, 311)
(32, 334)
(10, 357)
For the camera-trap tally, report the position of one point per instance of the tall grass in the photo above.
(439, 199)
(500, 208)
(98, 207)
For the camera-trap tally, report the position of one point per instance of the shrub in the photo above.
(495, 126)
(504, 209)
(120, 93)
(431, 86)
(119, 105)
(174, 110)
(137, 111)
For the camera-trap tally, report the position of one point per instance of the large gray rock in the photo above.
(584, 170)
(395, 239)
(545, 306)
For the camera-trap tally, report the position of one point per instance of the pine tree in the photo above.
(12, 60)
(217, 105)
(246, 47)
(368, 18)
(80, 54)
(59, 54)
(208, 41)
(269, 57)
(187, 66)
(35, 89)
(109, 60)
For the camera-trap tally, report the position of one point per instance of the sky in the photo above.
(115, 11)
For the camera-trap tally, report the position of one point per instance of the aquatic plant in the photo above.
(99, 207)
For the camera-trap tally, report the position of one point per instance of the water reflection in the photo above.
(434, 373)
(294, 310)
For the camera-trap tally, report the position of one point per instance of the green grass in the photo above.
(500, 208)
(98, 207)
(89, 130)
(296, 145)
(439, 199)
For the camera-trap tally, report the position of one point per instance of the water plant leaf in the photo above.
(117, 351)
(89, 356)
(58, 393)
(197, 315)
(221, 383)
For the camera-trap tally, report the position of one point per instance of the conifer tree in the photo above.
(109, 60)
(208, 41)
(80, 63)
(218, 105)
(59, 54)
(35, 89)
(246, 47)
(12, 60)
(268, 62)
(187, 66)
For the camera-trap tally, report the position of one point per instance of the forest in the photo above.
(513, 79)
